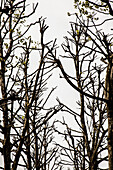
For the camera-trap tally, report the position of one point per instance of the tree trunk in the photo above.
(27, 114)
(6, 145)
(110, 134)
(109, 97)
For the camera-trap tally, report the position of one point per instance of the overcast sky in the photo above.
(58, 21)
(57, 18)
(56, 13)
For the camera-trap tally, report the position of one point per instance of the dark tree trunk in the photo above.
(6, 145)
(109, 97)
(110, 134)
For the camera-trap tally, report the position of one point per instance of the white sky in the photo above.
(57, 18)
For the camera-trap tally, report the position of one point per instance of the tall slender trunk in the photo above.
(27, 114)
(45, 145)
(109, 97)
(6, 144)
(37, 159)
(110, 134)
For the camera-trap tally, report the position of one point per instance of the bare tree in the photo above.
(90, 50)
(25, 134)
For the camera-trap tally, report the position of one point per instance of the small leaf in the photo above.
(23, 117)
(89, 38)
(6, 45)
(11, 30)
(77, 31)
(24, 63)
